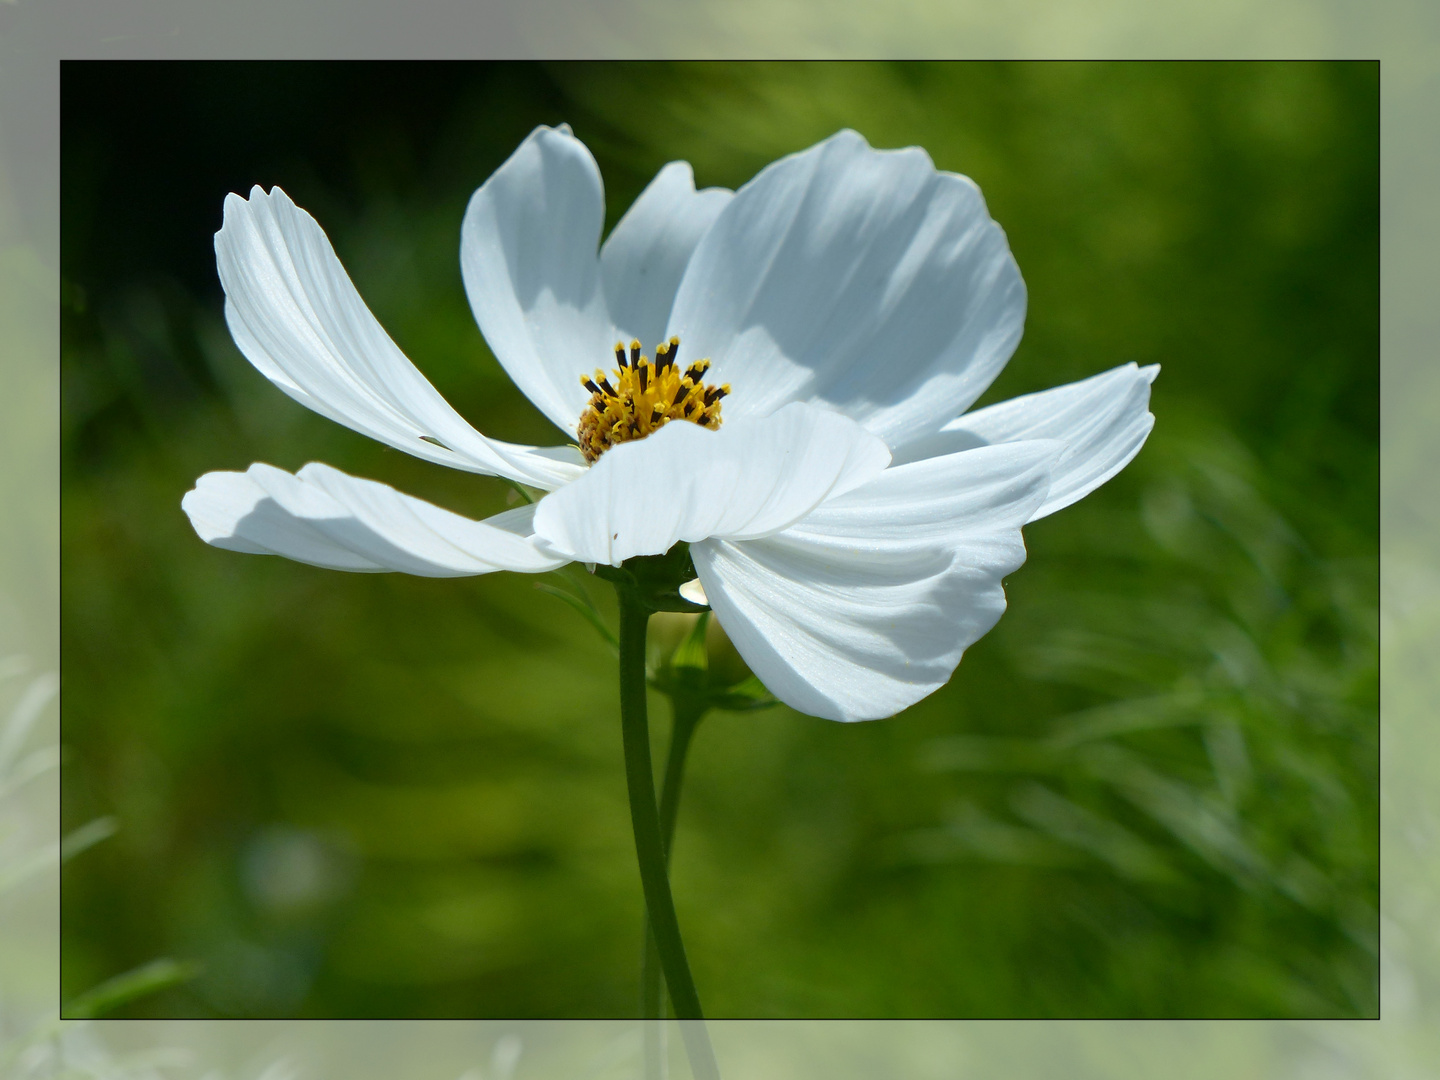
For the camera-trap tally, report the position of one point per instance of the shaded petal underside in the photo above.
(328, 518)
(866, 606)
(529, 256)
(1103, 420)
(645, 255)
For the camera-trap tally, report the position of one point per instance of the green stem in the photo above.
(649, 842)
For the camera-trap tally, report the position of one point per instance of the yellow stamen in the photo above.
(644, 397)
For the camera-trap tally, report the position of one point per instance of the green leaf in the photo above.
(744, 696)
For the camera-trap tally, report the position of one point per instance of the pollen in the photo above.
(639, 397)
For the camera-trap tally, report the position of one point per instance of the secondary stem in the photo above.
(649, 842)
(687, 716)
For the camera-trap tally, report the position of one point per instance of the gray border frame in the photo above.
(1403, 34)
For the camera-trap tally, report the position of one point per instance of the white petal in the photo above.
(1103, 420)
(528, 253)
(863, 279)
(297, 317)
(645, 255)
(752, 477)
(865, 606)
(327, 518)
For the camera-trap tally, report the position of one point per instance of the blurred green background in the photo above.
(1151, 791)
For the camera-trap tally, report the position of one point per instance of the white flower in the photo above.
(849, 531)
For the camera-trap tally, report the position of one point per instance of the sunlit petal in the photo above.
(685, 483)
(863, 279)
(297, 317)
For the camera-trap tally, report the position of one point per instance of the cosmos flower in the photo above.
(776, 376)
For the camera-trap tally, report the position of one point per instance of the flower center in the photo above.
(644, 397)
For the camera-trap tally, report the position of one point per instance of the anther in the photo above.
(635, 405)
